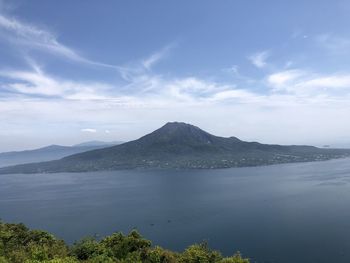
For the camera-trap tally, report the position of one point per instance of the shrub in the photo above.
(18, 244)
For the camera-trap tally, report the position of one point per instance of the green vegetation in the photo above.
(18, 244)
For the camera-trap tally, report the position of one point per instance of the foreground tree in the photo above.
(18, 244)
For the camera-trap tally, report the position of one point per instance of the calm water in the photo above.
(283, 213)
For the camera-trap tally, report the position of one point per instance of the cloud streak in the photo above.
(38, 83)
(305, 83)
(149, 62)
(31, 36)
(259, 59)
(334, 44)
(89, 130)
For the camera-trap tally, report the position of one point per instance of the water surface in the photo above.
(283, 213)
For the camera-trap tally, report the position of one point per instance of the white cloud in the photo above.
(305, 83)
(333, 43)
(29, 35)
(193, 88)
(259, 59)
(234, 94)
(287, 115)
(139, 71)
(280, 80)
(89, 130)
(289, 64)
(35, 36)
(234, 70)
(274, 117)
(37, 82)
(149, 62)
(337, 81)
(149, 90)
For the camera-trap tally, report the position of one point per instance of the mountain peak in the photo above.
(180, 128)
(176, 124)
(178, 133)
(180, 145)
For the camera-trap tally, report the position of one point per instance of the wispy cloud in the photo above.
(149, 89)
(31, 36)
(306, 83)
(6, 5)
(232, 70)
(299, 33)
(149, 62)
(259, 59)
(89, 130)
(333, 43)
(145, 90)
(37, 82)
(299, 94)
(139, 71)
(281, 80)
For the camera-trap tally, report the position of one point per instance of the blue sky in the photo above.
(269, 71)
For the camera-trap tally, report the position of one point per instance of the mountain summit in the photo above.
(180, 145)
(183, 130)
(178, 133)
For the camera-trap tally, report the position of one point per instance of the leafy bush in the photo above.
(200, 253)
(120, 246)
(18, 244)
(236, 258)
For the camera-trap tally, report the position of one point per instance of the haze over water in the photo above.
(283, 213)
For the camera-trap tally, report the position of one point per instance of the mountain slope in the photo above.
(97, 143)
(48, 153)
(180, 145)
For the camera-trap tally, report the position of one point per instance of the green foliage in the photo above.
(18, 244)
(87, 248)
(56, 260)
(200, 253)
(120, 246)
(236, 258)
(159, 255)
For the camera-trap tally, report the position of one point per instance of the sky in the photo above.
(273, 71)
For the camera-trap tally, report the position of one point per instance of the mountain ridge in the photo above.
(47, 153)
(179, 145)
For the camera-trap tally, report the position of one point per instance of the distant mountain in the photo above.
(181, 146)
(97, 143)
(49, 153)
